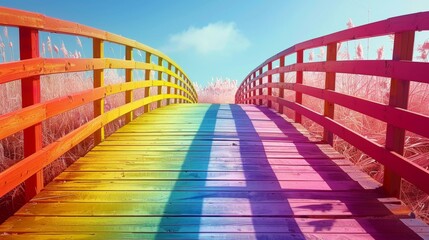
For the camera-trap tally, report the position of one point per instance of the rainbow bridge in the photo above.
(207, 171)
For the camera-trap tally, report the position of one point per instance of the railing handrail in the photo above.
(401, 69)
(13, 18)
(31, 66)
(411, 22)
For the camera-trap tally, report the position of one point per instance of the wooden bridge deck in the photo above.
(212, 171)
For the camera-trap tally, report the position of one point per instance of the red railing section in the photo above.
(31, 66)
(401, 70)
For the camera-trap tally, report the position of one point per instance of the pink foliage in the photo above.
(423, 50)
(56, 49)
(322, 54)
(424, 55)
(64, 50)
(425, 45)
(48, 42)
(380, 53)
(43, 49)
(217, 91)
(5, 32)
(359, 52)
(350, 23)
(311, 56)
(79, 43)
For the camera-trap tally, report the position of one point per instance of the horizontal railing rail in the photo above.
(401, 70)
(31, 66)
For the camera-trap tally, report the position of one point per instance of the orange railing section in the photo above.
(31, 66)
(401, 70)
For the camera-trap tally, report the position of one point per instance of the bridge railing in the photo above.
(401, 70)
(31, 66)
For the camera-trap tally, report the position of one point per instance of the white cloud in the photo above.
(217, 37)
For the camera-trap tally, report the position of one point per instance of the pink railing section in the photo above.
(401, 70)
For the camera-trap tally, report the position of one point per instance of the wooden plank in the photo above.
(218, 225)
(272, 161)
(257, 209)
(220, 236)
(192, 174)
(30, 88)
(150, 185)
(203, 167)
(215, 196)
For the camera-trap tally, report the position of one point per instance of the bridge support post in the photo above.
(176, 81)
(98, 52)
(30, 87)
(129, 78)
(169, 80)
(399, 91)
(281, 80)
(146, 108)
(329, 107)
(299, 78)
(252, 85)
(159, 88)
(270, 80)
(260, 92)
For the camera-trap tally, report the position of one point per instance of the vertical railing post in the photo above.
(159, 88)
(253, 91)
(146, 108)
(260, 90)
(176, 81)
(98, 52)
(186, 87)
(299, 78)
(169, 80)
(179, 83)
(129, 78)
(30, 88)
(328, 110)
(281, 80)
(247, 91)
(399, 91)
(270, 80)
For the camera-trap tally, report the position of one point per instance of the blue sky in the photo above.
(220, 38)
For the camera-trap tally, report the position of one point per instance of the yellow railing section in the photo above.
(31, 66)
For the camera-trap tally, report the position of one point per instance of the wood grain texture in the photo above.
(222, 172)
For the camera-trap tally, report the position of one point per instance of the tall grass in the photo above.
(219, 90)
